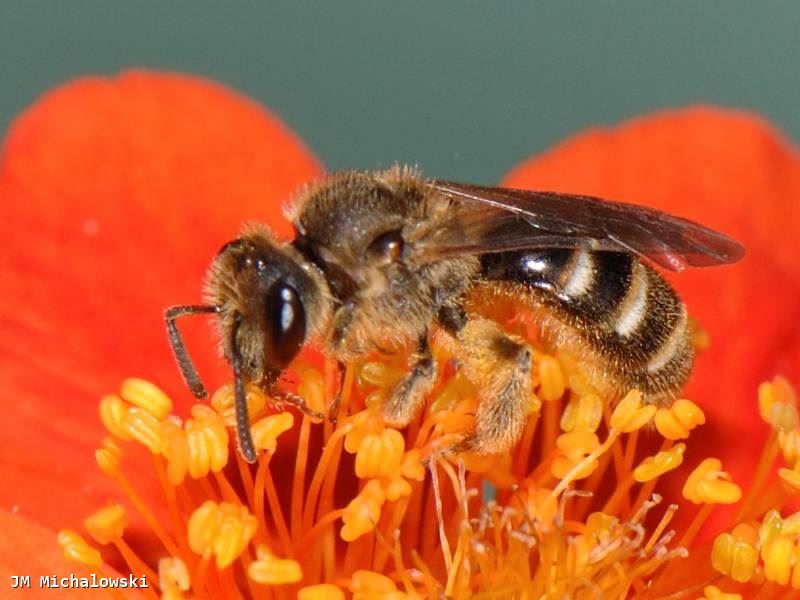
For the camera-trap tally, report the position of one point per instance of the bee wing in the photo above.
(488, 220)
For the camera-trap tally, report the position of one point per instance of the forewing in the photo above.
(487, 219)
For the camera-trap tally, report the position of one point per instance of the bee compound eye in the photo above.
(285, 324)
(388, 245)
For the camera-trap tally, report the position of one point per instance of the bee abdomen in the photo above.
(621, 308)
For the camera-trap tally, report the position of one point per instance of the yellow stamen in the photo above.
(112, 410)
(221, 530)
(582, 413)
(266, 431)
(173, 577)
(108, 524)
(630, 414)
(675, 422)
(551, 377)
(663, 462)
(147, 396)
(321, 591)
(77, 549)
(379, 454)
(708, 483)
(271, 570)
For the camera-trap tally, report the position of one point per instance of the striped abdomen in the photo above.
(621, 308)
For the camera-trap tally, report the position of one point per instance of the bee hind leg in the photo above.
(409, 394)
(500, 366)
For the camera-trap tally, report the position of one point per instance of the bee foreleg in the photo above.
(499, 365)
(408, 395)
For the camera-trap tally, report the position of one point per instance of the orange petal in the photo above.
(30, 549)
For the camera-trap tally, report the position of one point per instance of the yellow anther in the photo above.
(778, 556)
(709, 484)
(224, 398)
(412, 467)
(107, 524)
(362, 513)
(112, 410)
(312, 389)
(789, 442)
(675, 422)
(221, 530)
(630, 414)
(144, 427)
(109, 457)
(712, 592)
(734, 557)
(367, 585)
(655, 466)
(173, 576)
(321, 591)
(176, 450)
(76, 548)
(584, 413)
(207, 440)
(777, 404)
(791, 524)
(360, 425)
(271, 570)
(791, 478)
(266, 431)
(771, 528)
(601, 527)
(146, 395)
(551, 379)
(380, 454)
(379, 374)
(395, 488)
(574, 447)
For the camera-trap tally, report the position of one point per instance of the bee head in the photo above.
(268, 298)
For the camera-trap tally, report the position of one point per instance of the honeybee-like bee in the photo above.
(382, 260)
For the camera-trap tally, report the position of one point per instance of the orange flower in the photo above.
(116, 194)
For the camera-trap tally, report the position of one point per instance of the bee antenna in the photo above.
(244, 437)
(187, 369)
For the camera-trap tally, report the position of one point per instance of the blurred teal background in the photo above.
(464, 89)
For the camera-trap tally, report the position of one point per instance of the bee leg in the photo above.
(333, 409)
(499, 365)
(298, 402)
(408, 395)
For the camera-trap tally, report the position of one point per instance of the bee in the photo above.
(383, 260)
